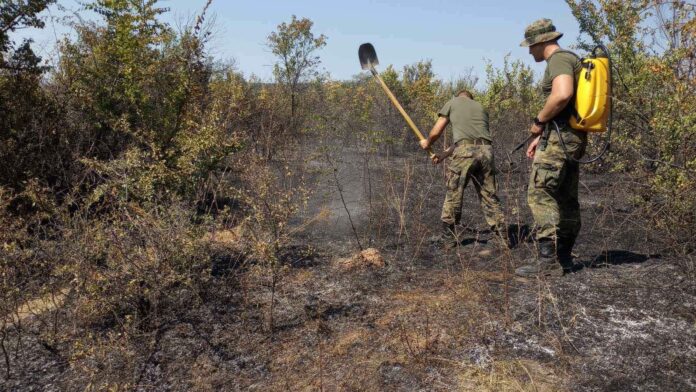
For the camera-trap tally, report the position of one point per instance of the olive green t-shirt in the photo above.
(561, 62)
(468, 118)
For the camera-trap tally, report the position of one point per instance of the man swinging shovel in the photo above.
(471, 155)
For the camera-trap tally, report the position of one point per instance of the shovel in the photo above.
(368, 60)
(527, 140)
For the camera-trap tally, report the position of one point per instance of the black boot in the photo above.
(545, 263)
(565, 254)
(448, 236)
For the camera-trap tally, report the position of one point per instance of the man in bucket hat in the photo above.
(552, 194)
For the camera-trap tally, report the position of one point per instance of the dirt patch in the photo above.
(368, 258)
(38, 306)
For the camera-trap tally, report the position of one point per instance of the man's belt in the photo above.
(474, 142)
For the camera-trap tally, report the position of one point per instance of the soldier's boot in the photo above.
(544, 264)
(565, 254)
(448, 236)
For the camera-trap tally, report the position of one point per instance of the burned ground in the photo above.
(429, 319)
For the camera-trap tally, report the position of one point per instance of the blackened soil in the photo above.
(433, 319)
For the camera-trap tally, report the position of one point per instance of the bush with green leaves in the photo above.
(653, 46)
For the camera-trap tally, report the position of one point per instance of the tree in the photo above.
(150, 124)
(28, 141)
(421, 87)
(512, 98)
(653, 45)
(14, 15)
(294, 44)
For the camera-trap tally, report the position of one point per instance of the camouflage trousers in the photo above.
(553, 187)
(472, 163)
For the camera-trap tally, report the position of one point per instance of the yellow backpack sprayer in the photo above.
(592, 103)
(593, 95)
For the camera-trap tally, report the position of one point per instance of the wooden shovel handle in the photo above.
(401, 110)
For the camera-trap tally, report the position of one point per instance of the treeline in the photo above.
(119, 160)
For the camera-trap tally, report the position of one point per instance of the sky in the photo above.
(457, 36)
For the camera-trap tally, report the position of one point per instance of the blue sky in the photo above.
(455, 35)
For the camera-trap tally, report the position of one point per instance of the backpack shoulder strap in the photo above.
(574, 112)
(567, 51)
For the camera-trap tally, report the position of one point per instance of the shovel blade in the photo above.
(368, 56)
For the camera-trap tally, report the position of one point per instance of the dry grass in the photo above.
(415, 333)
(503, 376)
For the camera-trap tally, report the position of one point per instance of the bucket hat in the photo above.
(540, 31)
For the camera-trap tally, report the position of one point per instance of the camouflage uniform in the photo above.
(553, 186)
(475, 163)
(552, 194)
(471, 160)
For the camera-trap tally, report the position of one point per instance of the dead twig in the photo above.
(343, 200)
